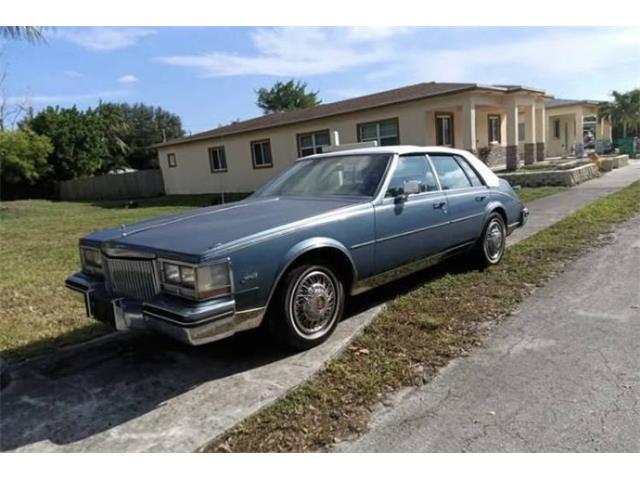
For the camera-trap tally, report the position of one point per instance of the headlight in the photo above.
(91, 260)
(196, 281)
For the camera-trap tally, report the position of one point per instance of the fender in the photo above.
(303, 247)
(490, 207)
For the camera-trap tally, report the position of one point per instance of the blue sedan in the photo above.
(286, 258)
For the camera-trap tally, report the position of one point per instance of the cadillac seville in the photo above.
(287, 257)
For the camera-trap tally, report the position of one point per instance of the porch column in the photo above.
(469, 125)
(512, 135)
(541, 131)
(530, 135)
(579, 150)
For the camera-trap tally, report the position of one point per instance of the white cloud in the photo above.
(296, 51)
(66, 99)
(105, 39)
(128, 79)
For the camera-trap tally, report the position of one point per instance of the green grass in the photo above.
(419, 332)
(529, 194)
(39, 249)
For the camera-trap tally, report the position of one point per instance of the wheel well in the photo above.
(328, 256)
(502, 213)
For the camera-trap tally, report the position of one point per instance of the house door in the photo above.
(566, 137)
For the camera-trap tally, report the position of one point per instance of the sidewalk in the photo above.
(138, 393)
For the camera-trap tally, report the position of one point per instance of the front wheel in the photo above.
(310, 305)
(492, 243)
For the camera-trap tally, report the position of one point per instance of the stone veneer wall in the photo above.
(609, 163)
(493, 155)
(539, 178)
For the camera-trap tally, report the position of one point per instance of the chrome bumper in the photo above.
(193, 323)
(524, 215)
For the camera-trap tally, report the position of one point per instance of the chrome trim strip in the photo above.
(513, 225)
(379, 279)
(363, 244)
(411, 232)
(468, 217)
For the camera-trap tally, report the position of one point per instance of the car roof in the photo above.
(389, 150)
(487, 174)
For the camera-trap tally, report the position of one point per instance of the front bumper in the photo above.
(193, 323)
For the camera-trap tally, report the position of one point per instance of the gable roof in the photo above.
(380, 99)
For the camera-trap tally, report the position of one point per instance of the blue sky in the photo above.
(208, 75)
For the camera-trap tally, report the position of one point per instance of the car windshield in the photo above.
(350, 175)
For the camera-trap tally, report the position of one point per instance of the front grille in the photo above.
(135, 279)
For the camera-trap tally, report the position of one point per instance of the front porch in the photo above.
(576, 126)
(504, 128)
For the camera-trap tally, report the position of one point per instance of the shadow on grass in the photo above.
(84, 390)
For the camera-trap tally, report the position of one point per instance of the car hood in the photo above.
(199, 231)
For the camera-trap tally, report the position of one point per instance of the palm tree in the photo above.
(624, 110)
(30, 34)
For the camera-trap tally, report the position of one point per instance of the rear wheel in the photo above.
(492, 243)
(309, 305)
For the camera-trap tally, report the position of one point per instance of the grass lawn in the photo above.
(420, 332)
(39, 249)
(529, 194)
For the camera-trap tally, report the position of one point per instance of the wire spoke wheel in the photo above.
(313, 304)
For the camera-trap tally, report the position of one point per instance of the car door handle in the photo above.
(439, 205)
(480, 198)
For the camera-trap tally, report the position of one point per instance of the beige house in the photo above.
(503, 124)
(569, 121)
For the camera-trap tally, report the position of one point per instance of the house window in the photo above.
(171, 160)
(385, 132)
(310, 143)
(261, 154)
(494, 128)
(444, 129)
(217, 160)
(521, 131)
(556, 129)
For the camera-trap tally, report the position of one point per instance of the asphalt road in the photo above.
(563, 374)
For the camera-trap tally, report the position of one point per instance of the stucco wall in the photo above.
(193, 175)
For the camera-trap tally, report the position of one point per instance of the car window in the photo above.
(471, 174)
(352, 175)
(411, 167)
(450, 172)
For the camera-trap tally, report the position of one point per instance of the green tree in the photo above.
(286, 96)
(23, 156)
(147, 126)
(79, 146)
(624, 110)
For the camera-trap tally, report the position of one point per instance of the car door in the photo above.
(467, 197)
(412, 226)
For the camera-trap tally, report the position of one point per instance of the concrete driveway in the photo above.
(563, 374)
